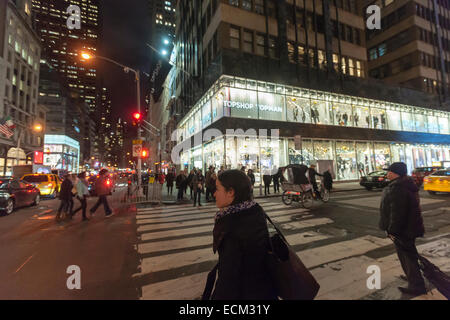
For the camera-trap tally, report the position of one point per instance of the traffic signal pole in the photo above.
(139, 163)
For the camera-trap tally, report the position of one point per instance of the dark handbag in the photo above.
(292, 280)
(210, 281)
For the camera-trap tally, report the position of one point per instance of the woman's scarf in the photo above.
(235, 208)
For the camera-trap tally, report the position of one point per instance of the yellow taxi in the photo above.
(48, 184)
(438, 181)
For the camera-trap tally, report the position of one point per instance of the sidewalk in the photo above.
(258, 194)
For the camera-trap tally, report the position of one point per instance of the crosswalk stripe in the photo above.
(177, 207)
(206, 215)
(183, 288)
(161, 246)
(142, 215)
(175, 233)
(311, 257)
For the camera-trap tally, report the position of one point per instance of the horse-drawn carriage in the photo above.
(297, 187)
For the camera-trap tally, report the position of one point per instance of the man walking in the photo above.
(102, 188)
(198, 183)
(169, 180)
(82, 194)
(65, 195)
(401, 218)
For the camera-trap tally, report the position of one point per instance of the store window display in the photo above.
(361, 116)
(298, 109)
(248, 154)
(364, 158)
(307, 152)
(378, 118)
(382, 156)
(408, 119)
(241, 104)
(323, 150)
(321, 112)
(343, 115)
(206, 114)
(394, 119)
(346, 160)
(443, 124)
(217, 103)
(295, 156)
(420, 120)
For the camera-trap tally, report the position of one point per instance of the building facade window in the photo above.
(235, 38)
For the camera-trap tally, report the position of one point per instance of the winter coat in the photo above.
(400, 213)
(312, 175)
(242, 241)
(65, 193)
(82, 189)
(327, 180)
(179, 182)
(251, 176)
(101, 188)
(196, 180)
(169, 179)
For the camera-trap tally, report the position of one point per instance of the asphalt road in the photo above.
(36, 252)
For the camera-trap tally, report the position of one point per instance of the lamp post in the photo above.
(88, 56)
(36, 128)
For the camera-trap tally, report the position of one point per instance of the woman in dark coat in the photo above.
(241, 238)
(169, 179)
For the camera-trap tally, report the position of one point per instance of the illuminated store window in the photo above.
(420, 120)
(394, 120)
(346, 161)
(298, 109)
(378, 118)
(382, 156)
(408, 119)
(364, 161)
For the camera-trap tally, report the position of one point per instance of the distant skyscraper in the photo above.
(61, 46)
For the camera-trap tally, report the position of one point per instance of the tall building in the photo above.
(105, 123)
(20, 53)
(61, 46)
(262, 64)
(413, 45)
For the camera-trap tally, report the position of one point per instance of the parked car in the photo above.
(15, 193)
(48, 184)
(376, 179)
(439, 181)
(420, 173)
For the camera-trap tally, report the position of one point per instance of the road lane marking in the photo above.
(23, 264)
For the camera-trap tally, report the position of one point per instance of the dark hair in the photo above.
(82, 175)
(239, 182)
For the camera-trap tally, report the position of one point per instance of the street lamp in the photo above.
(88, 56)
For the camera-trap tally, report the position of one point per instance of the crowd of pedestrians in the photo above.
(77, 186)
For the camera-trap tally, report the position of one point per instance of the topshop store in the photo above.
(358, 135)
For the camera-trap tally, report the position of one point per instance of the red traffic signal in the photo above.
(144, 153)
(137, 118)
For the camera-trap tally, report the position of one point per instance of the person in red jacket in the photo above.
(103, 189)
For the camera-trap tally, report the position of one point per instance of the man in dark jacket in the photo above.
(401, 218)
(103, 189)
(179, 184)
(65, 195)
(312, 179)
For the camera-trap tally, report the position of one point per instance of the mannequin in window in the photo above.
(375, 122)
(356, 118)
(383, 120)
(295, 113)
(345, 118)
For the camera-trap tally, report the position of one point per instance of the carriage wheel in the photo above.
(325, 194)
(307, 200)
(287, 198)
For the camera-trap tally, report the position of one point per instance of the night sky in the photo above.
(126, 28)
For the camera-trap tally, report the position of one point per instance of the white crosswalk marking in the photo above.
(176, 245)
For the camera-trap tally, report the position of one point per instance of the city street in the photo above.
(165, 252)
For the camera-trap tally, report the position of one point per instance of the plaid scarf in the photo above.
(235, 208)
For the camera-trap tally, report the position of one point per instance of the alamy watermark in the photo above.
(74, 19)
(374, 17)
(74, 281)
(374, 281)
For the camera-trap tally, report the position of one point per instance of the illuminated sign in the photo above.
(244, 105)
(38, 157)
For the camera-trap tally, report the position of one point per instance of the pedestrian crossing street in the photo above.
(176, 252)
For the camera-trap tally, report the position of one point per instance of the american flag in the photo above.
(7, 126)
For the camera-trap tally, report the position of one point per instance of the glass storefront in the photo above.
(351, 159)
(244, 98)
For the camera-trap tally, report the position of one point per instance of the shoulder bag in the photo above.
(291, 278)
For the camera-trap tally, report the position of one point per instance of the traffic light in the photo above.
(137, 118)
(144, 154)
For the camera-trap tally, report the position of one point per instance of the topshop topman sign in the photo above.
(244, 105)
